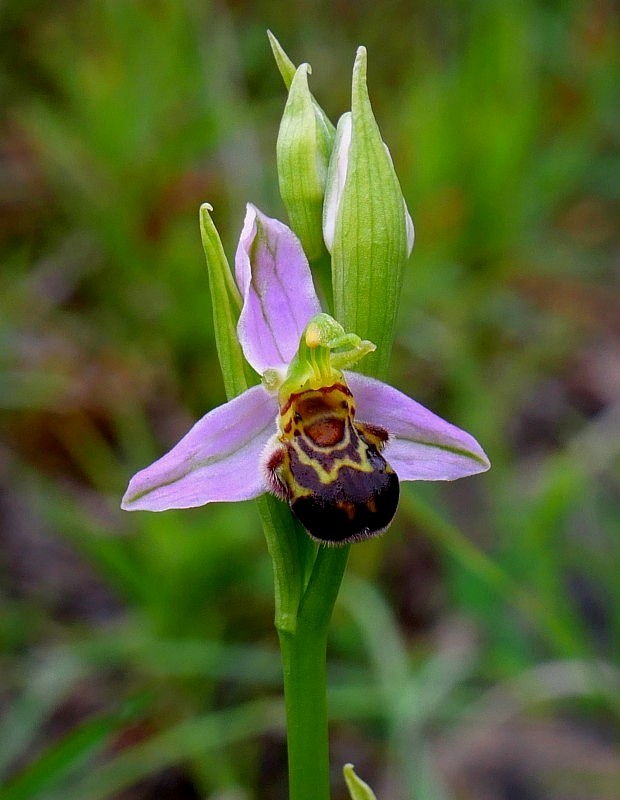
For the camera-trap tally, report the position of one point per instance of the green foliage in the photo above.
(135, 644)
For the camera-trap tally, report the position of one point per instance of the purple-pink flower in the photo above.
(222, 457)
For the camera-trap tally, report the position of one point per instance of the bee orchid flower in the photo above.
(330, 441)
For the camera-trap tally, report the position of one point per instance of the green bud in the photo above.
(366, 226)
(358, 789)
(303, 151)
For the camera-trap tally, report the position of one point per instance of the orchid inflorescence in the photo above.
(305, 421)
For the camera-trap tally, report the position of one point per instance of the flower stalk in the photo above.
(304, 670)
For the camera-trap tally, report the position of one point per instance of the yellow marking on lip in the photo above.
(328, 476)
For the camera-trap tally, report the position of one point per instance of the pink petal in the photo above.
(217, 460)
(278, 294)
(422, 446)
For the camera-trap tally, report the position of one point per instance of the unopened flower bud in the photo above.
(304, 147)
(366, 225)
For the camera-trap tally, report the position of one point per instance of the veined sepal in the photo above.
(303, 150)
(366, 226)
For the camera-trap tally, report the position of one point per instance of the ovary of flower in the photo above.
(239, 450)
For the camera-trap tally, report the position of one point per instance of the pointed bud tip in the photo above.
(205, 219)
(204, 216)
(361, 59)
(358, 789)
(285, 66)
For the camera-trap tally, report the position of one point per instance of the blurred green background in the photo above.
(474, 650)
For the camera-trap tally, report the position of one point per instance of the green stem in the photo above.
(283, 534)
(304, 667)
(303, 663)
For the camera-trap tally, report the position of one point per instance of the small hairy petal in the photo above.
(217, 460)
(278, 294)
(422, 446)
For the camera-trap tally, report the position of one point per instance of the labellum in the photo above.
(327, 466)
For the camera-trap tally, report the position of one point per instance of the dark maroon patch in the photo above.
(357, 505)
